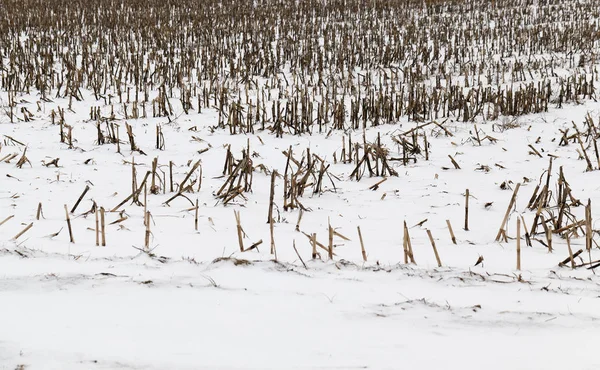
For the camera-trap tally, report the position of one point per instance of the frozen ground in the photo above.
(171, 291)
(78, 306)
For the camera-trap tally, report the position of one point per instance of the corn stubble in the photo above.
(388, 61)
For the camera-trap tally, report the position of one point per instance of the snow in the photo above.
(187, 305)
(192, 300)
(63, 314)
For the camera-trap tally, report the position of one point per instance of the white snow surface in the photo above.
(197, 302)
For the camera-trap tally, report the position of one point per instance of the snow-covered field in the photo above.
(196, 301)
(141, 314)
(169, 287)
